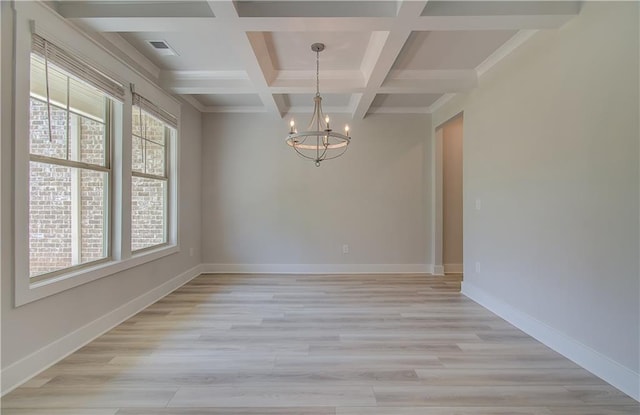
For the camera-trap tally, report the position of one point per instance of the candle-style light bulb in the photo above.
(346, 130)
(326, 119)
(292, 124)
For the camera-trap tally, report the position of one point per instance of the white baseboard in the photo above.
(317, 268)
(453, 268)
(438, 270)
(619, 376)
(24, 369)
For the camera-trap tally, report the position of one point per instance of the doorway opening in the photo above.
(451, 201)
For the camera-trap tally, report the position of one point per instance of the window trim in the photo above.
(63, 282)
(66, 162)
(169, 137)
(122, 258)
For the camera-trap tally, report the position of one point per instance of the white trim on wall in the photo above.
(595, 362)
(453, 268)
(21, 371)
(317, 269)
(503, 51)
(437, 217)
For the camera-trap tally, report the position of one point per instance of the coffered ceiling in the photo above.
(255, 56)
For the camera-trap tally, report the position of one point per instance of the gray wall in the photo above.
(30, 327)
(262, 204)
(551, 149)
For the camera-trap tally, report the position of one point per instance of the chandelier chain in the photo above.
(318, 73)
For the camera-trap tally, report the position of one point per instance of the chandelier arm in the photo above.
(302, 154)
(331, 133)
(299, 139)
(324, 153)
(337, 155)
(315, 122)
(321, 115)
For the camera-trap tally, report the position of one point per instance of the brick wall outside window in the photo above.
(148, 195)
(50, 193)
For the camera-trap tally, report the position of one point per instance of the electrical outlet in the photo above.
(477, 268)
(345, 249)
(478, 204)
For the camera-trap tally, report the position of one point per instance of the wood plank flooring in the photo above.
(316, 345)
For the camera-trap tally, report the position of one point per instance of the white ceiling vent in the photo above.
(161, 47)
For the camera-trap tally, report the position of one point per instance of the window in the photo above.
(95, 190)
(149, 177)
(69, 171)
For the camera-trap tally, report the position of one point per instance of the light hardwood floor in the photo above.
(316, 345)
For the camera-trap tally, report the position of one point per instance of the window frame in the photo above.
(169, 137)
(107, 168)
(121, 259)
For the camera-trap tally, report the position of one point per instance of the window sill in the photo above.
(26, 293)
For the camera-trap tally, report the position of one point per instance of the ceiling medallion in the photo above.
(319, 142)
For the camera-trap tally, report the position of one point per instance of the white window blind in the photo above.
(155, 110)
(77, 67)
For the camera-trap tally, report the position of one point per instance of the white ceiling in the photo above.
(255, 56)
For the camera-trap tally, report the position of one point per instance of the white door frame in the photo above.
(437, 237)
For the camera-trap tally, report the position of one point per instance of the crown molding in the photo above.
(503, 51)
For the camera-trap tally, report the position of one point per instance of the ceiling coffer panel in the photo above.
(380, 56)
(316, 8)
(111, 9)
(456, 49)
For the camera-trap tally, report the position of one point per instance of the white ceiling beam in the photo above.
(303, 109)
(222, 23)
(388, 36)
(209, 87)
(392, 47)
(207, 82)
(330, 87)
(183, 8)
(226, 109)
(399, 110)
(513, 22)
(504, 50)
(330, 81)
(256, 58)
(431, 81)
(372, 53)
(261, 72)
(318, 8)
(152, 24)
(261, 52)
(501, 8)
(387, 49)
(433, 85)
(316, 24)
(428, 86)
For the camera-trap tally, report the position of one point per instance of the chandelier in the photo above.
(319, 142)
